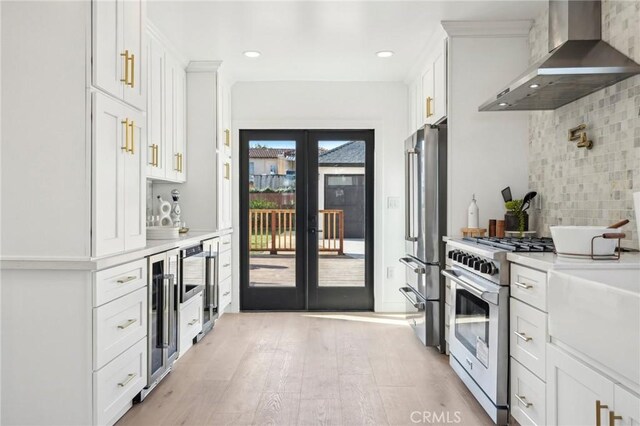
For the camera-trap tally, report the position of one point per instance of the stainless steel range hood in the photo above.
(578, 63)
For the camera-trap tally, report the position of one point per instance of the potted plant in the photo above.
(516, 218)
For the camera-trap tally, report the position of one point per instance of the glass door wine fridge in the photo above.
(163, 293)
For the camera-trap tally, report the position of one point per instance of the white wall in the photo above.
(339, 105)
(488, 151)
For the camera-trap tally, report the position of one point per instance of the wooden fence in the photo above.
(274, 230)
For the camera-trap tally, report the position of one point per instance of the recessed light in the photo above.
(384, 54)
(251, 54)
(503, 104)
(534, 86)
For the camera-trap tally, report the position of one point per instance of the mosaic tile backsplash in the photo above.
(595, 187)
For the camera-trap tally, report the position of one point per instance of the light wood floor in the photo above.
(308, 369)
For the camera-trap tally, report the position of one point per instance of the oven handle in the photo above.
(418, 305)
(408, 262)
(488, 296)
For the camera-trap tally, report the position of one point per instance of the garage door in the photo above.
(346, 193)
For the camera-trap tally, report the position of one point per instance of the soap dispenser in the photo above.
(472, 213)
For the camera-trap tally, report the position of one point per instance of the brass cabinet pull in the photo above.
(125, 56)
(599, 407)
(521, 285)
(523, 336)
(155, 155)
(132, 129)
(181, 163)
(227, 137)
(126, 135)
(129, 378)
(523, 401)
(177, 167)
(126, 279)
(428, 106)
(132, 58)
(613, 418)
(127, 324)
(226, 170)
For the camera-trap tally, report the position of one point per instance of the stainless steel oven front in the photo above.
(478, 339)
(192, 271)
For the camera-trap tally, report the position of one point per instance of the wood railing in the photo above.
(274, 230)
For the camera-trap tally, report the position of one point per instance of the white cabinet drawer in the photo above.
(529, 285)
(225, 243)
(115, 385)
(190, 322)
(528, 337)
(224, 295)
(225, 265)
(118, 325)
(117, 281)
(528, 401)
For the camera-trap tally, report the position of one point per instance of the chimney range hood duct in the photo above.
(578, 63)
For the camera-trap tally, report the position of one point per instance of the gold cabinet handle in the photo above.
(226, 170)
(125, 57)
(523, 336)
(129, 378)
(125, 148)
(181, 163)
(126, 279)
(155, 155)
(599, 407)
(429, 113)
(227, 137)
(127, 324)
(613, 418)
(523, 401)
(132, 58)
(133, 132)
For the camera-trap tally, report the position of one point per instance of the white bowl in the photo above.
(576, 240)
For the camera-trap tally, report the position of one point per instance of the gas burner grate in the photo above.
(529, 244)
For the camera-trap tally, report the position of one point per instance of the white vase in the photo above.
(636, 203)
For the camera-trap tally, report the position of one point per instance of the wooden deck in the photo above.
(279, 270)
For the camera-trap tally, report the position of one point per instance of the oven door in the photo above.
(479, 331)
(192, 272)
(423, 316)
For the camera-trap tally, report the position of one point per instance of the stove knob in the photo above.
(486, 267)
(451, 253)
(477, 265)
(463, 258)
(470, 260)
(457, 256)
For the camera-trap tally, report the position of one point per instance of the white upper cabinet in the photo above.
(155, 110)
(166, 117)
(119, 187)
(118, 53)
(430, 91)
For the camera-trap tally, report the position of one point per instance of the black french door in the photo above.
(306, 202)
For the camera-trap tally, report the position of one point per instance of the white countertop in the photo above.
(97, 263)
(547, 261)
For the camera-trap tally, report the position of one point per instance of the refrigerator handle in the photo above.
(409, 187)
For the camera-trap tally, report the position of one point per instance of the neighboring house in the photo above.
(271, 161)
(341, 185)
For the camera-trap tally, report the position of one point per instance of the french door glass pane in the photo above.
(272, 213)
(341, 213)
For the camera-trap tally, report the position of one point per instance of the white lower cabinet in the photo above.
(224, 295)
(527, 396)
(118, 382)
(528, 337)
(118, 325)
(190, 321)
(576, 394)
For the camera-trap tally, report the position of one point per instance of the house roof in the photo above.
(271, 152)
(351, 153)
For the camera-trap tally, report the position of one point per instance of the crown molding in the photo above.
(203, 66)
(154, 32)
(516, 28)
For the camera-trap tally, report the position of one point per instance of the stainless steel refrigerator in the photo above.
(425, 225)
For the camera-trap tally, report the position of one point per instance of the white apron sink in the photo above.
(597, 313)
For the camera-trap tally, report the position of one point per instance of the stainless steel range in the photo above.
(478, 272)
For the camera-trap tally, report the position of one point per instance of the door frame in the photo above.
(303, 263)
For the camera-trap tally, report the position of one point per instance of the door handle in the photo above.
(599, 407)
(313, 230)
(409, 191)
(407, 262)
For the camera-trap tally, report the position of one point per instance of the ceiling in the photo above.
(318, 40)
